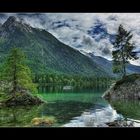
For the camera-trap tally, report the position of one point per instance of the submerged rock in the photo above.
(44, 121)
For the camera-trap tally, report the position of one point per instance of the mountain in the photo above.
(106, 65)
(45, 53)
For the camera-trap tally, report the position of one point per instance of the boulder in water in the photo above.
(126, 88)
(22, 98)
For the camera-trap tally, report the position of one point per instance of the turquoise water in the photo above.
(65, 105)
(62, 105)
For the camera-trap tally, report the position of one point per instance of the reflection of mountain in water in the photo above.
(97, 116)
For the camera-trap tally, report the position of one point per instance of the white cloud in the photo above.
(80, 23)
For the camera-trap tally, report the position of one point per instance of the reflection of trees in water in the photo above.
(63, 111)
(76, 89)
(19, 116)
(98, 84)
(128, 108)
(8, 115)
(14, 115)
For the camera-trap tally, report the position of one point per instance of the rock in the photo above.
(126, 88)
(122, 123)
(44, 121)
(23, 99)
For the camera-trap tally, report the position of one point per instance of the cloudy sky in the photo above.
(89, 32)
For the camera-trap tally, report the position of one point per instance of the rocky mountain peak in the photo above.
(10, 21)
(14, 23)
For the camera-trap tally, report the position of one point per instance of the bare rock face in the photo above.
(12, 25)
(126, 88)
(10, 20)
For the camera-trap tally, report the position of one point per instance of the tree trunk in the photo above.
(124, 71)
(14, 80)
(123, 64)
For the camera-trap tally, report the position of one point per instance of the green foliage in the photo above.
(46, 54)
(19, 116)
(128, 79)
(15, 75)
(123, 51)
(3, 97)
(117, 68)
(2, 40)
(72, 80)
(128, 108)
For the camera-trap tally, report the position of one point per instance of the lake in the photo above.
(71, 107)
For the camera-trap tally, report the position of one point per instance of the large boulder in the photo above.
(22, 98)
(126, 88)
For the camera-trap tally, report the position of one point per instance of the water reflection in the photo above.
(95, 117)
(63, 89)
(19, 116)
(62, 107)
(128, 108)
(74, 110)
(63, 111)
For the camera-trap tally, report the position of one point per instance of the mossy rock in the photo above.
(22, 99)
(127, 80)
(44, 121)
(126, 88)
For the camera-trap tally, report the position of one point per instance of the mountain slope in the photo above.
(45, 53)
(107, 65)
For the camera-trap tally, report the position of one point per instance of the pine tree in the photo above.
(16, 75)
(123, 51)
